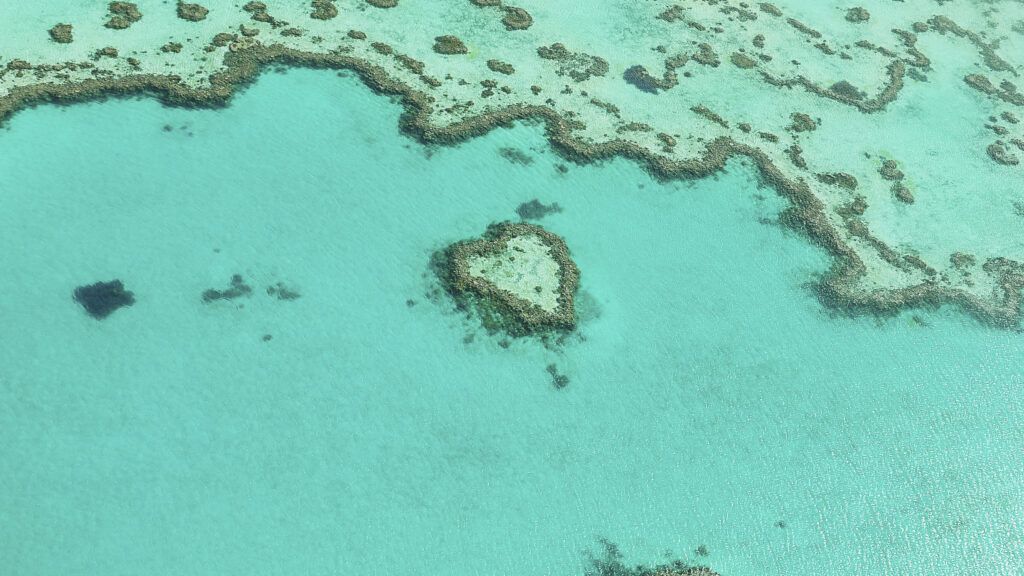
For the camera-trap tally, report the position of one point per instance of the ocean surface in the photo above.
(713, 403)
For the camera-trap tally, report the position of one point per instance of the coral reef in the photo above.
(237, 289)
(501, 67)
(191, 12)
(282, 292)
(62, 34)
(701, 117)
(741, 60)
(998, 152)
(802, 123)
(515, 156)
(558, 380)
(449, 45)
(324, 10)
(516, 18)
(576, 65)
(611, 564)
(518, 277)
(122, 15)
(857, 15)
(535, 209)
(258, 12)
(103, 298)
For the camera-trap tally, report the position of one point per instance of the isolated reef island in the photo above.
(892, 129)
(519, 277)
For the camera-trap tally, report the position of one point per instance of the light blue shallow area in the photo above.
(711, 396)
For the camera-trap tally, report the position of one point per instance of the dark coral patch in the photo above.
(282, 292)
(611, 564)
(516, 18)
(558, 380)
(639, 76)
(192, 12)
(535, 209)
(449, 45)
(324, 10)
(122, 15)
(62, 34)
(103, 298)
(238, 288)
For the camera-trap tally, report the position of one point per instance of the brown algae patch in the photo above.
(518, 277)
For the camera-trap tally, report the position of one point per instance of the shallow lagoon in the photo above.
(710, 397)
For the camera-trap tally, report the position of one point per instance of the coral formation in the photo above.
(324, 10)
(515, 156)
(519, 278)
(62, 34)
(558, 380)
(535, 209)
(192, 12)
(857, 15)
(802, 123)
(501, 67)
(282, 292)
(998, 152)
(611, 564)
(576, 65)
(258, 12)
(237, 289)
(741, 60)
(103, 298)
(449, 45)
(516, 18)
(122, 15)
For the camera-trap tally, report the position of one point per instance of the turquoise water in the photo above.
(711, 396)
